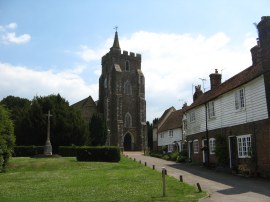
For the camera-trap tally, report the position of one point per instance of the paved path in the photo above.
(221, 186)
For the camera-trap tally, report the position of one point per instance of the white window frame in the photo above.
(196, 146)
(212, 145)
(161, 135)
(192, 116)
(240, 99)
(211, 109)
(171, 133)
(244, 146)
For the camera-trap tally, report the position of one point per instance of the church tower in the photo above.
(122, 98)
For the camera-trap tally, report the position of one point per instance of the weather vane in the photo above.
(116, 27)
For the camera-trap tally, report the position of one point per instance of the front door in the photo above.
(233, 152)
(127, 142)
(190, 148)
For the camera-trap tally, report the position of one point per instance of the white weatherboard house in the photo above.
(170, 132)
(238, 110)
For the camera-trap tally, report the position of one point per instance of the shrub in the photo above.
(27, 151)
(173, 156)
(67, 151)
(222, 153)
(102, 153)
(7, 138)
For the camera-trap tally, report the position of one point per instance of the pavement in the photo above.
(220, 186)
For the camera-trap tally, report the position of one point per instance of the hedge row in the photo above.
(27, 151)
(84, 153)
(67, 151)
(105, 154)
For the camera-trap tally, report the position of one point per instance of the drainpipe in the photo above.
(207, 138)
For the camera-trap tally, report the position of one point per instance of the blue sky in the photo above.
(50, 47)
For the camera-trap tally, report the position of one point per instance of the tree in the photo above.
(67, 124)
(150, 135)
(7, 138)
(98, 130)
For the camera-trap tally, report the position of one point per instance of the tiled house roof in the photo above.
(239, 79)
(162, 118)
(173, 121)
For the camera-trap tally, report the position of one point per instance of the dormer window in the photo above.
(127, 68)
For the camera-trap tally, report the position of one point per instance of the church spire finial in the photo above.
(116, 41)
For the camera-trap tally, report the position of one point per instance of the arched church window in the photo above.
(127, 69)
(127, 88)
(105, 83)
(128, 120)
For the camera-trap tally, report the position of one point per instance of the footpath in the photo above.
(222, 187)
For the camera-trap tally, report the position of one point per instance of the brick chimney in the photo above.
(256, 53)
(215, 79)
(198, 93)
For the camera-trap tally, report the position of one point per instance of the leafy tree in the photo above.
(67, 124)
(98, 130)
(7, 138)
(150, 135)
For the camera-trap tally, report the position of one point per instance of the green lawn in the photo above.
(65, 179)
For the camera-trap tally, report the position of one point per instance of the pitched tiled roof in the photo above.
(173, 121)
(162, 118)
(239, 79)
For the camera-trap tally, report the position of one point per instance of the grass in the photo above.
(65, 179)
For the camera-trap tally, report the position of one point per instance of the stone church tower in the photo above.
(122, 98)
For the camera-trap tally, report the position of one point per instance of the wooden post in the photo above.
(163, 181)
(145, 164)
(199, 187)
(153, 167)
(181, 178)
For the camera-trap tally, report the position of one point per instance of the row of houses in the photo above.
(236, 112)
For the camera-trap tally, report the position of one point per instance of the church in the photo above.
(122, 98)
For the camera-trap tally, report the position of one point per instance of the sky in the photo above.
(50, 47)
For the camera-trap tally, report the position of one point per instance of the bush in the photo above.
(157, 154)
(67, 151)
(102, 153)
(7, 138)
(173, 156)
(27, 151)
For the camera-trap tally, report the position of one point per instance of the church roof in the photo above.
(116, 42)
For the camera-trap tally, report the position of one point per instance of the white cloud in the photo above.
(173, 63)
(12, 38)
(25, 82)
(12, 25)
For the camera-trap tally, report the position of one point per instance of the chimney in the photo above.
(256, 53)
(215, 79)
(198, 93)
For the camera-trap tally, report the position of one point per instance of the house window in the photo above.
(240, 99)
(192, 116)
(127, 66)
(212, 145)
(244, 146)
(161, 135)
(170, 133)
(195, 146)
(184, 125)
(170, 148)
(211, 109)
(128, 120)
(127, 88)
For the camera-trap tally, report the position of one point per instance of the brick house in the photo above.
(238, 110)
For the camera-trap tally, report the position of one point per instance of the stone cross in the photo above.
(48, 146)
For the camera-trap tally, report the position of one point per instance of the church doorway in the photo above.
(127, 142)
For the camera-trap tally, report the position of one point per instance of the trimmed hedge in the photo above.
(67, 151)
(27, 151)
(102, 153)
